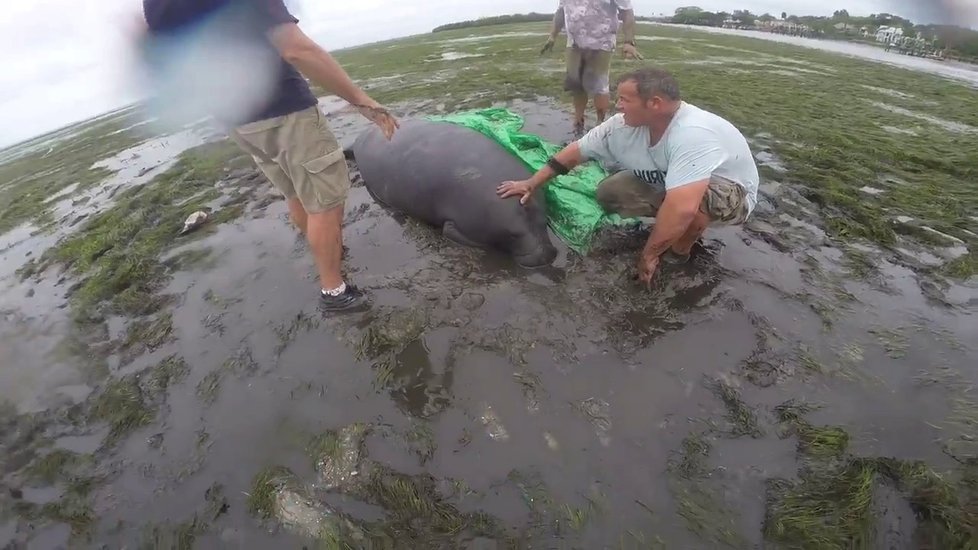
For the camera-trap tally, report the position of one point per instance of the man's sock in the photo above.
(336, 291)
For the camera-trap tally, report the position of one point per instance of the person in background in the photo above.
(592, 33)
(685, 166)
(257, 57)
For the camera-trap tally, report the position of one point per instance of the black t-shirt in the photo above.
(247, 20)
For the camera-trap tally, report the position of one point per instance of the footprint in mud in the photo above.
(494, 427)
(598, 413)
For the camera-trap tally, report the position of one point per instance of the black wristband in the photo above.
(557, 166)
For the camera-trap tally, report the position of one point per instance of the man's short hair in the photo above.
(651, 81)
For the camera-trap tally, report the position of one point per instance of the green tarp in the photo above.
(574, 213)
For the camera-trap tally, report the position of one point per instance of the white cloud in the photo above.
(66, 60)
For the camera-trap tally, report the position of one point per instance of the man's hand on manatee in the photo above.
(513, 188)
(377, 114)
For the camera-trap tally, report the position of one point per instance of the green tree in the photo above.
(745, 17)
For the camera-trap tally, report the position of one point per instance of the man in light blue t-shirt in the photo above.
(685, 166)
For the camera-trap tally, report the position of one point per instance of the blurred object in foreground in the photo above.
(220, 66)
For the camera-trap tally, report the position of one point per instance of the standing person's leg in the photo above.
(596, 81)
(310, 157)
(573, 83)
(279, 179)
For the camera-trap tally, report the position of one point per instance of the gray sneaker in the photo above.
(351, 298)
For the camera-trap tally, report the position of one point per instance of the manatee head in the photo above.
(530, 244)
(530, 252)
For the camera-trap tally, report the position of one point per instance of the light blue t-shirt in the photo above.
(696, 145)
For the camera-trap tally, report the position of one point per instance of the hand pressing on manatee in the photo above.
(523, 189)
(559, 164)
(377, 114)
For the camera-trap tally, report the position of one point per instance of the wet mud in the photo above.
(781, 387)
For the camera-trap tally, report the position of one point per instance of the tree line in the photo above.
(956, 40)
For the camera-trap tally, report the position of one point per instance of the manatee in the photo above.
(446, 175)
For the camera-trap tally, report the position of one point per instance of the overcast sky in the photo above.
(65, 60)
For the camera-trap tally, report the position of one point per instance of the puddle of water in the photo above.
(19, 245)
(769, 159)
(132, 167)
(902, 131)
(785, 72)
(889, 92)
(8, 532)
(480, 38)
(41, 495)
(730, 48)
(82, 444)
(805, 70)
(942, 235)
(451, 56)
(760, 60)
(134, 126)
(806, 65)
(922, 256)
(795, 222)
(949, 125)
(658, 38)
(67, 191)
(153, 153)
(35, 377)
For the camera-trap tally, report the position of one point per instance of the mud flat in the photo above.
(802, 383)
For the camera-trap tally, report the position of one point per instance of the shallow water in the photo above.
(572, 375)
(951, 69)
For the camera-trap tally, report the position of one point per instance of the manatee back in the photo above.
(428, 158)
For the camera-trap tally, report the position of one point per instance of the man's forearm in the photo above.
(569, 156)
(558, 23)
(628, 25)
(670, 225)
(317, 64)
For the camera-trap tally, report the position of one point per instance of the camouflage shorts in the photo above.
(624, 193)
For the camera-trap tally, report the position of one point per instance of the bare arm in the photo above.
(674, 216)
(628, 25)
(569, 156)
(316, 63)
(558, 23)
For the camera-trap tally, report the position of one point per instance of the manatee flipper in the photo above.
(452, 233)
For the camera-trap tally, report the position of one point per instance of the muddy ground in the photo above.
(789, 387)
